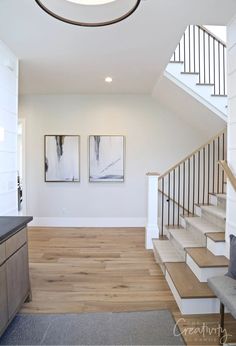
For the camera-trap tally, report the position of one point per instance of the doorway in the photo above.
(21, 175)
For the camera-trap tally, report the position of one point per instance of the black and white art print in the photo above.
(106, 158)
(62, 159)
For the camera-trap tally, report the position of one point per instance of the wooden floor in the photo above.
(76, 270)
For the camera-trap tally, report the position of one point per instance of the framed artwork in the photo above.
(62, 158)
(106, 158)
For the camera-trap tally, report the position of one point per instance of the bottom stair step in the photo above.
(186, 283)
(192, 296)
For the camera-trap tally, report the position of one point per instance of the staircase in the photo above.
(187, 214)
(192, 214)
(193, 252)
(198, 66)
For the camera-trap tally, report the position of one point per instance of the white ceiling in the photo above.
(59, 58)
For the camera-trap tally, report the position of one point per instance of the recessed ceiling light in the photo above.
(108, 80)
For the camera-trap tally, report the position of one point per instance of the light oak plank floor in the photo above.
(76, 270)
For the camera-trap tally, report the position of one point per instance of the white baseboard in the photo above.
(87, 222)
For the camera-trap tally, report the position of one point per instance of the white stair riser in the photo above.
(218, 201)
(198, 211)
(200, 306)
(218, 221)
(193, 306)
(178, 246)
(222, 203)
(182, 222)
(198, 235)
(213, 200)
(203, 274)
(217, 248)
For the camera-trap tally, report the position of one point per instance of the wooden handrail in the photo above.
(193, 153)
(172, 200)
(153, 174)
(228, 173)
(212, 35)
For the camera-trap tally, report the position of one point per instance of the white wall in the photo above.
(231, 198)
(155, 139)
(8, 126)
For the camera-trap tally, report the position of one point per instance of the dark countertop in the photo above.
(9, 225)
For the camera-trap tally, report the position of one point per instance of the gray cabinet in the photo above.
(14, 276)
(3, 299)
(15, 242)
(2, 253)
(17, 280)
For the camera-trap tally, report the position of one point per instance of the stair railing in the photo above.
(191, 181)
(229, 173)
(204, 54)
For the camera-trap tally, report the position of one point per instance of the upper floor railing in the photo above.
(204, 54)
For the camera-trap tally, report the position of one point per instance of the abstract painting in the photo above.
(62, 158)
(106, 158)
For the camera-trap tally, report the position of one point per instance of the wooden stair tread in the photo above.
(166, 251)
(217, 237)
(205, 259)
(186, 283)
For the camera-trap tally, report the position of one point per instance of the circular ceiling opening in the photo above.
(89, 13)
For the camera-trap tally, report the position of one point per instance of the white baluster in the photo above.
(152, 230)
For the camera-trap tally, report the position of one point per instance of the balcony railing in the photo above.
(204, 54)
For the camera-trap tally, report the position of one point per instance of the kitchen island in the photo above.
(14, 267)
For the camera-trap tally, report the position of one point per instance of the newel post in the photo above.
(152, 230)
